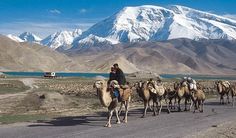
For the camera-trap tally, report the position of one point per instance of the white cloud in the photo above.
(55, 11)
(231, 16)
(83, 10)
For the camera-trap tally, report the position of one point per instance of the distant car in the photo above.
(50, 75)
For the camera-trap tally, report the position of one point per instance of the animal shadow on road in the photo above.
(89, 120)
(97, 119)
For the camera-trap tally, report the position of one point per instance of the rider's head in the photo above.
(189, 78)
(112, 69)
(185, 78)
(116, 66)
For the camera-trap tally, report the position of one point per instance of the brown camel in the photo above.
(223, 88)
(107, 100)
(158, 92)
(171, 94)
(198, 99)
(183, 92)
(144, 93)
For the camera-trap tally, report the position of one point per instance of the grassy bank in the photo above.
(12, 86)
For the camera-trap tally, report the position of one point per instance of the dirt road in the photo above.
(174, 125)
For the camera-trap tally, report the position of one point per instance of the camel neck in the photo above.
(104, 96)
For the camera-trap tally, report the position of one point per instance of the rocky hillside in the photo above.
(16, 56)
(172, 56)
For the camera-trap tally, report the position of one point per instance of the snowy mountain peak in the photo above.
(76, 32)
(92, 39)
(61, 39)
(15, 38)
(152, 23)
(29, 37)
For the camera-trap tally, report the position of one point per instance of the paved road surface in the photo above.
(176, 124)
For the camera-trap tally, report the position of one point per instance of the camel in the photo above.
(158, 92)
(198, 99)
(183, 92)
(143, 92)
(223, 89)
(107, 100)
(233, 93)
(171, 94)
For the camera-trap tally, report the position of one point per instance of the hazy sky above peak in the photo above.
(44, 17)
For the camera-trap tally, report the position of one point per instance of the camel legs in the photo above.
(126, 111)
(195, 106)
(155, 107)
(191, 102)
(168, 107)
(175, 102)
(117, 116)
(146, 104)
(110, 113)
(121, 105)
(202, 104)
(179, 100)
(170, 103)
(159, 112)
(185, 104)
(150, 107)
(228, 98)
(221, 99)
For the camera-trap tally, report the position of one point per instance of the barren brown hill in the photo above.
(32, 57)
(173, 56)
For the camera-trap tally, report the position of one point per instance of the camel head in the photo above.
(219, 86)
(99, 84)
(176, 85)
(184, 84)
(151, 86)
(138, 85)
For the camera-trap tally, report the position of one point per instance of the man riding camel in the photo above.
(192, 84)
(120, 77)
(120, 82)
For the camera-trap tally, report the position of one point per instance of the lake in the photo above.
(106, 75)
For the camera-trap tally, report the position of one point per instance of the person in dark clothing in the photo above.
(120, 76)
(112, 75)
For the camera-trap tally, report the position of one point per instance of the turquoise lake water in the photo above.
(92, 75)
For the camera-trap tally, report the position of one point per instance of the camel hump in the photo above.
(124, 86)
(226, 84)
(125, 93)
(160, 89)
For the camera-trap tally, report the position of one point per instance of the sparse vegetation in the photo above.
(7, 119)
(12, 86)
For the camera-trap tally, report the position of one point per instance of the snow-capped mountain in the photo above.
(151, 23)
(61, 39)
(29, 37)
(15, 38)
(93, 40)
(142, 23)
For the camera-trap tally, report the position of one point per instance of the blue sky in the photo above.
(44, 17)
